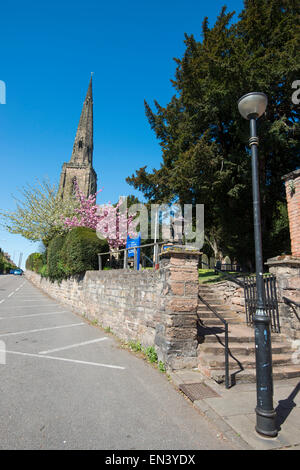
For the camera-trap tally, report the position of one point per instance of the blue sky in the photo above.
(49, 50)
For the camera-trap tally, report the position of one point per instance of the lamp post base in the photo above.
(266, 423)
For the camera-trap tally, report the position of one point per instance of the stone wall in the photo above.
(157, 308)
(287, 271)
(232, 294)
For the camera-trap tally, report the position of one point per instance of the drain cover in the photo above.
(197, 391)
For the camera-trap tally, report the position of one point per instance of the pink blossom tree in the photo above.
(110, 222)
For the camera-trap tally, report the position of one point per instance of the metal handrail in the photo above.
(290, 301)
(132, 247)
(224, 273)
(225, 323)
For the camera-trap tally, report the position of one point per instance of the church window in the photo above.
(74, 180)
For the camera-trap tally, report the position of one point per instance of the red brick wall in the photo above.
(292, 186)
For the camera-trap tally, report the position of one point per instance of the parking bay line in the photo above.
(30, 306)
(63, 359)
(73, 345)
(34, 315)
(42, 329)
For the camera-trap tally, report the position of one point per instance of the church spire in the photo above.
(83, 145)
(80, 167)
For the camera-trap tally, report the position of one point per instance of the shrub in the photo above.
(44, 271)
(35, 262)
(80, 251)
(55, 270)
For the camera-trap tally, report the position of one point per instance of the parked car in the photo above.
(18, 272)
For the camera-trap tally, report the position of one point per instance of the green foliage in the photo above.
(35, 262)
(55, 268)
(80, 249)
(74, 253)
(280, 232)
(44, 271)
(38, 214)
(135, 346)
(161, 366)
(204, 140)
(151, 354)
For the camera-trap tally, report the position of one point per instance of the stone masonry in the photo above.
(80, 167)
(292, 187)
(157, 308)
(287, 271)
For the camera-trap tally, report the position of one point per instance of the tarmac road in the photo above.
(64, 384)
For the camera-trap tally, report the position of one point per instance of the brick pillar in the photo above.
(292, 187)
(176, 332)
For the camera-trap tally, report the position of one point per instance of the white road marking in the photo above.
(28, 306)
(9, 295)
(42, 329)
(2, 301)
(73, 346)
(64, 359)
(33, 315)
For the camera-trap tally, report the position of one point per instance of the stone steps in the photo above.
(242, 348)
(249, 375)
(218, 307)
(213, 361)
(213, 321)
(242, 364)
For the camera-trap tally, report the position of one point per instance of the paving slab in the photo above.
(233, 412)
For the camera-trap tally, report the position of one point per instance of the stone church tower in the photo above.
(80, 167)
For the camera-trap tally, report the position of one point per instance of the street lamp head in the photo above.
(253, 105)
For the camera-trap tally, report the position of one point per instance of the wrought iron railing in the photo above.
(226, 349)
(120, 258)
(270, 300)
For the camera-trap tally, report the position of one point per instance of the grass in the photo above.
(148, 353)
(135, 346)
(208, 276)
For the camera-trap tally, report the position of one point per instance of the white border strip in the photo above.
(34, 315)
(73, 346)
(63, 359)
(42, 329)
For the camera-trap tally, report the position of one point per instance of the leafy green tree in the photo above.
(39, 212)
(204, 140)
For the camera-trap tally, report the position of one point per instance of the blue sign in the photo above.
(131, 242)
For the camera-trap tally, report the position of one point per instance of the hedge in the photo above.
(80, 251)
(35, 262)
(71, 253)
(55, 270)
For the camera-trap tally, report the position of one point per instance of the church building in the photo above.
(80, 167)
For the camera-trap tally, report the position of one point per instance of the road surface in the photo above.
(65, 384)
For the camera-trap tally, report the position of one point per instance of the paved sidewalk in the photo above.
(232, 412)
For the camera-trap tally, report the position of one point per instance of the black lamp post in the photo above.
(251, 107)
